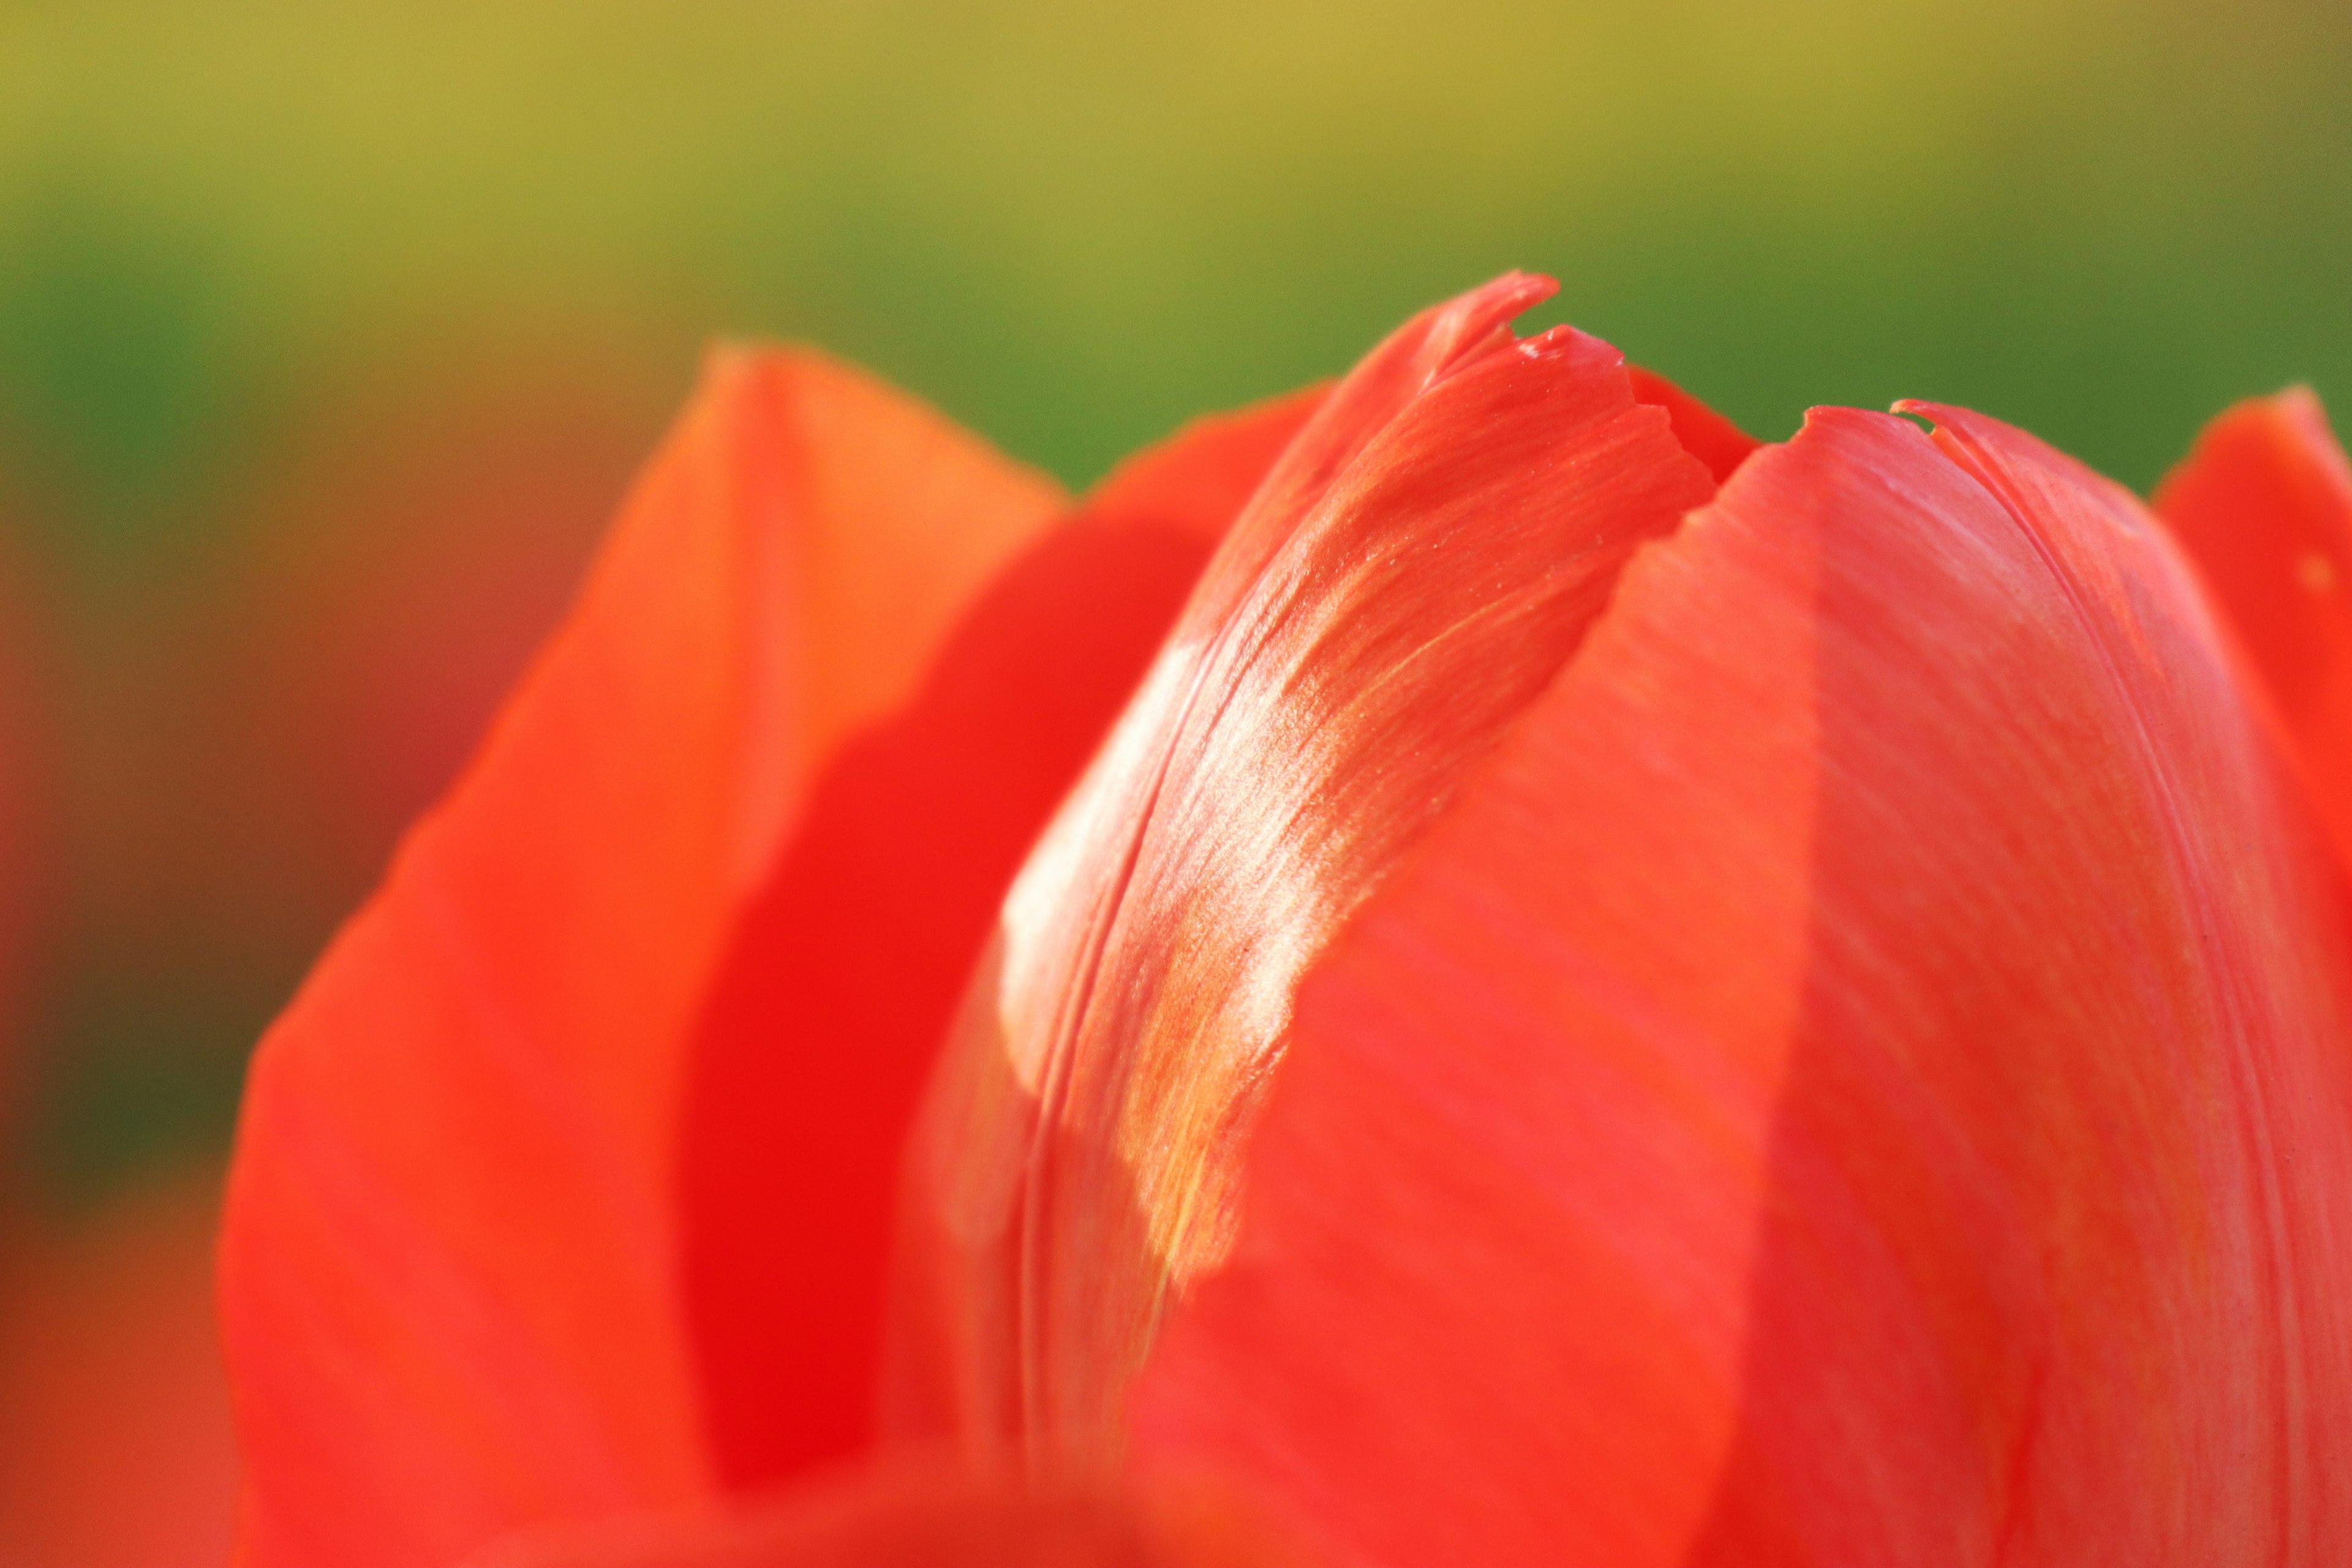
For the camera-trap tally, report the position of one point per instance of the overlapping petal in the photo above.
(2264, 506)
(1858, 1076)
(842, 978)
(1824, 1044)
(448, 1285)
(1704, 434)
(1415, 569)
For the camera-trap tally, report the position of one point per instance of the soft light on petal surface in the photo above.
(842, 978)
(2264, 506)
(1859, 1076)
(1414, 571)
(449, 1272)
(928, 1517)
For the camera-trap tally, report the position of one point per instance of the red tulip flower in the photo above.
(1472, 969)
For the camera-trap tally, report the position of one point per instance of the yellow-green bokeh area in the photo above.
(1073, 224)
(1072, 227)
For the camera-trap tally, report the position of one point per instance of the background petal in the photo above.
(2264, 506)
(1859, 1078)
(448, 1285)
(842, 979)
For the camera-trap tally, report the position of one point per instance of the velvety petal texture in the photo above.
(1858, 1076)
(842, 978)
(449, 1273)
(2264, 506)
(1414, 570)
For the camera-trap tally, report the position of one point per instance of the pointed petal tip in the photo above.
(1516, 290)
(2294, 418)
(726, 354)
(1331, 703)
(463, 1127)
(2261, 505)
(2302, 402)
(844, 972)
(1473, 325)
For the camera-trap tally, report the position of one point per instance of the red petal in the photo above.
(923, 1519)
(1858, 1079)
(2264, 506)
(447, 1275)
(1415, 571)
(1705, 433)
(843, 977)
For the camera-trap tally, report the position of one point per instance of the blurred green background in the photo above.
(329, 335)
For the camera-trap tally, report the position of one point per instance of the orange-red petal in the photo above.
(1415, 569)
(1860, 1078)
(2264, 506)
(842, 979)
(927, 1517)
(448, 1271)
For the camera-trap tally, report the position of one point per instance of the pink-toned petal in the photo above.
(1859, 1077)
(449, 1272)
(842, 978)
(1413, 572)
(2264, 506)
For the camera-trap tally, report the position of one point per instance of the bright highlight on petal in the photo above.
(1415, 571)
(448, 1275)
(1477, 956)
(1857, 1077)
(841, 977)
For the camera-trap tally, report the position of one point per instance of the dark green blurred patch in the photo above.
(142, 1074)
(118, 365)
